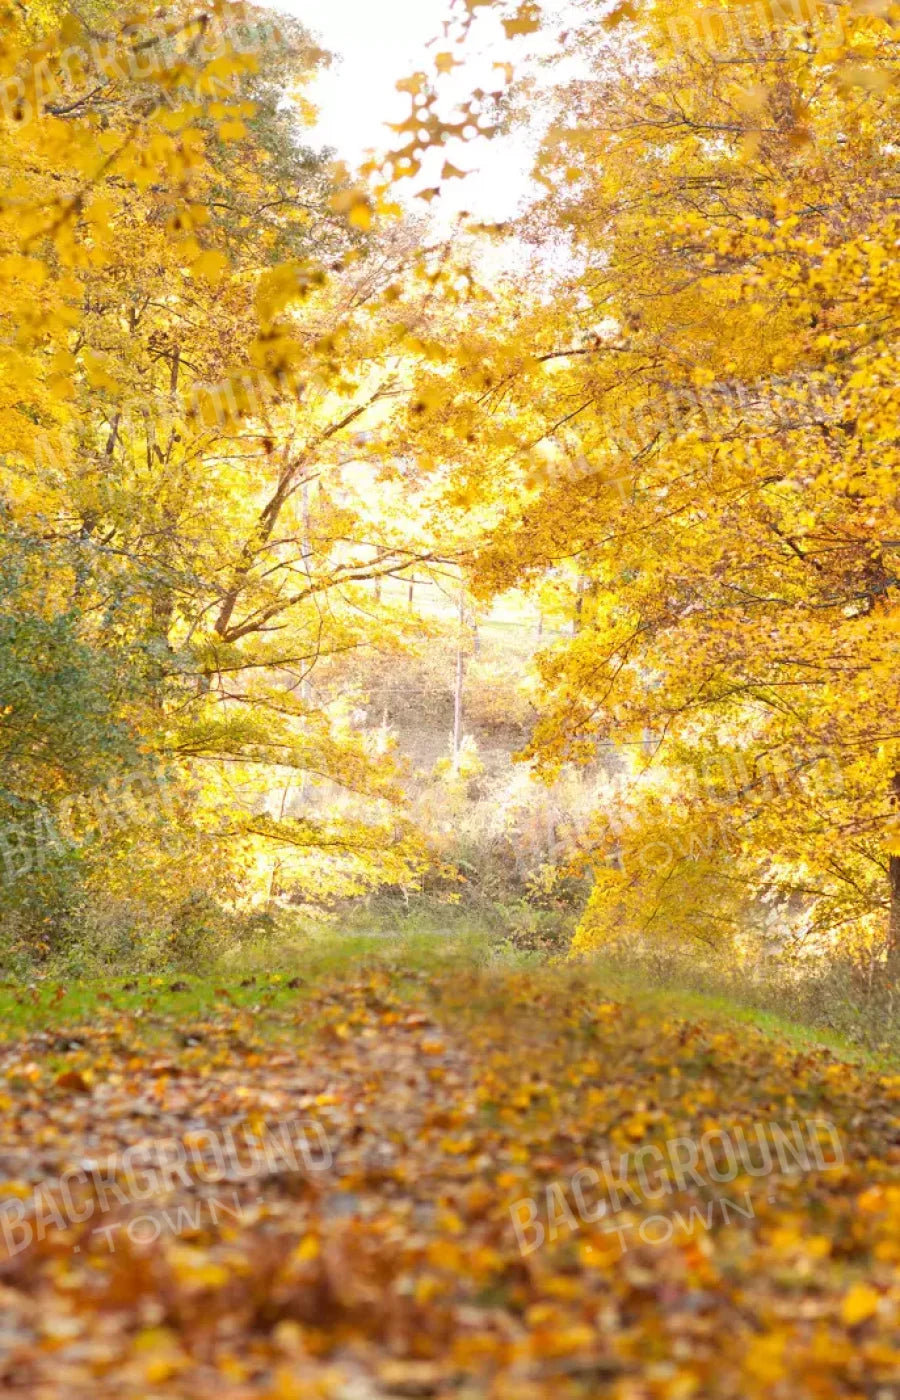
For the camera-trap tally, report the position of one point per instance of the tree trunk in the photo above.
(460, 673)
(894, 919)
(894, 880)
(579, 605)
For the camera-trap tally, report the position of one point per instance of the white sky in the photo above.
(381, 41)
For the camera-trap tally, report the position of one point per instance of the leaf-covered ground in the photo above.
(446, 1096)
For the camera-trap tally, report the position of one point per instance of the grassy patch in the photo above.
(264, 983)
(270, 986)
(715, 1006)
(790, 1011)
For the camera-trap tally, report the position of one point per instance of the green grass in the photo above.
(690, 1003)
(268, 987)
(264, 983)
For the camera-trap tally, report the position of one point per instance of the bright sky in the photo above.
(381, 41)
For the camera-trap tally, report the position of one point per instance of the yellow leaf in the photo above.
(751, 99)
(764, 1358)
(864, 76)
(623, 11)
(526, 20)
(195, 1270)
(859, 1304)
(307, 1250)
(232, 131)
(16, 268)
(356, 205)
(360, 215)
(211, 266)
(95, 366)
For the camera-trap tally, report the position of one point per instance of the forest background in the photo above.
(361, 564)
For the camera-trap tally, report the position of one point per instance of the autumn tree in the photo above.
(198, 351)
(698, 422)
